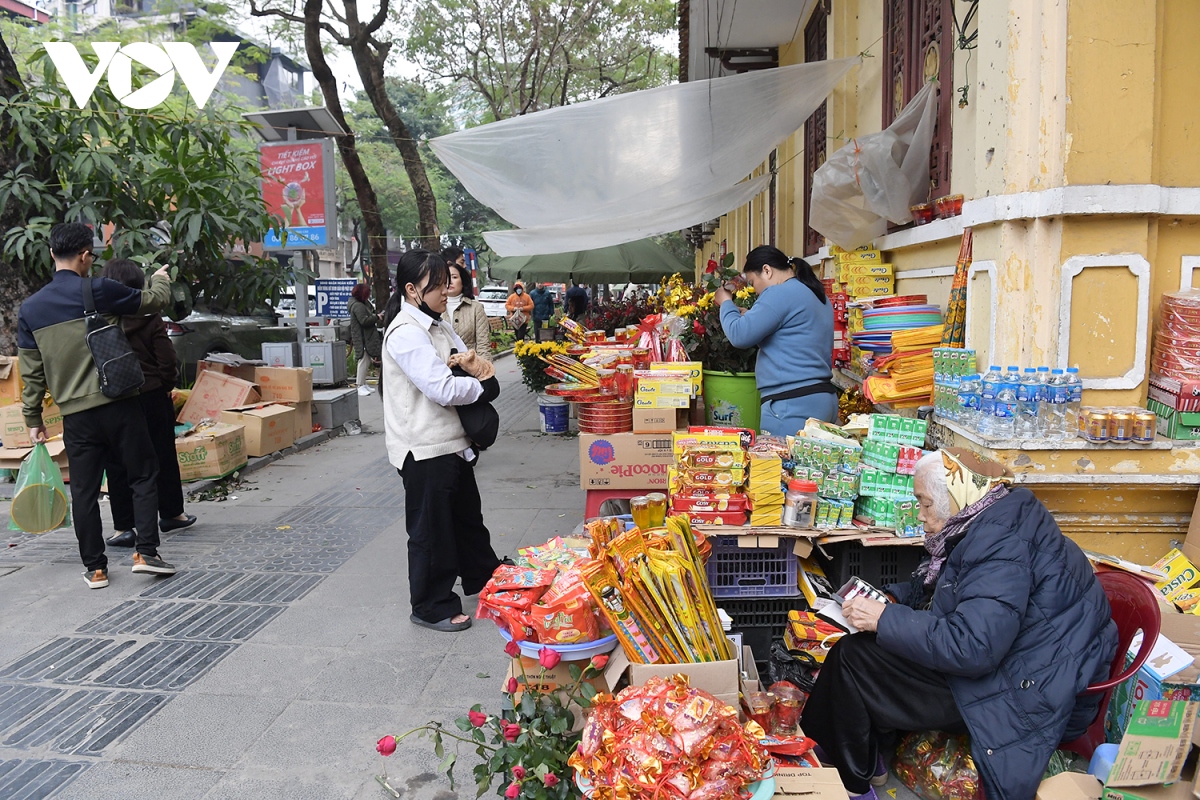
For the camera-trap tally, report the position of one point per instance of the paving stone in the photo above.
(120, 780)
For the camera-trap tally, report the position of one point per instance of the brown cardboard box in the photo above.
(12, 457)
(212, 452)
(722, 679)
(215, 392)
(557, 678)
(304, 418)
(659, 420)
(1191, 545)
(1070, 786)
(269, 428)
(15, 434)
(10, 381)
(286, 384)
(800, 783)
(624, 461)
(230, 364)
(1153, 751)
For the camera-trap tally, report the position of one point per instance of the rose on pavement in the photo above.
(386, 746)
(511, 731)
(599, 662)
(477, 718)
(511, 686)
(549, 658)
(512, 649)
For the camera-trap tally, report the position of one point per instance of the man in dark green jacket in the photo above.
(55, 358)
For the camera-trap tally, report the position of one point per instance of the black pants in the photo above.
(863, 697)
(93, 437)
(538, 325)
(160, 421)
(521, 331)
(446, 535)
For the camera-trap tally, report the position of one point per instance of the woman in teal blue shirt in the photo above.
(791, 322)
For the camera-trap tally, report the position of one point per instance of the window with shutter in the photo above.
(815, 49)
(919, 46)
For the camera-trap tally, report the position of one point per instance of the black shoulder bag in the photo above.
(480, 420)
(119, 368)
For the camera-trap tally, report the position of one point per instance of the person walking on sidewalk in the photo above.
(54, 357)
(519, 307)
(426, 442)
(464, 312)
(364, 334)
(543, 309)
(147, 334)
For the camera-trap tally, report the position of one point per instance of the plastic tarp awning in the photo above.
(876, 178)
(622, 168)
(643, 261)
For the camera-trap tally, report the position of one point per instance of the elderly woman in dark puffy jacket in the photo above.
(1000, 629)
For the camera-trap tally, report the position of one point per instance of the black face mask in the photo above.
(429, 312)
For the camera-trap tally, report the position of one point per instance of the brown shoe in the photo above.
(96, 578)
(152, 565)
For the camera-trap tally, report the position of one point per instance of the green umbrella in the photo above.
(643, 261)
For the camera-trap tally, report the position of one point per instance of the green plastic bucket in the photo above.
(731, 400)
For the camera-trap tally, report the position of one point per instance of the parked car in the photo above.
(204, 332)
(493, 299)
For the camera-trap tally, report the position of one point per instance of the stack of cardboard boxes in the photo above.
(663, 394)
(14, 436)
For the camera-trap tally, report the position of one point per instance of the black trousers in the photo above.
(538, 326)
(863, 697)
(521, 331)
(160, 422)
(93, 437)
(446, 535)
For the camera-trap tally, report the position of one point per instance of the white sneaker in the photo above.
(364, 391)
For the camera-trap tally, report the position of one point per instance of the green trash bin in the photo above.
(731, 399)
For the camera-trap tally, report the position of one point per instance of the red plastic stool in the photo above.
(596, 498)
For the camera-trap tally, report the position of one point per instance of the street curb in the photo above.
(255, 464)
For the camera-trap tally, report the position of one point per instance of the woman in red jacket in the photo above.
(148, 337)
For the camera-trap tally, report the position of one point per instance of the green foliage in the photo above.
(178, 185)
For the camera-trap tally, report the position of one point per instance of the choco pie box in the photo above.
(625, 461)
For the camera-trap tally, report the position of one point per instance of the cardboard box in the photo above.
(285, 384)
(1184, 631)
(229, 364)
(624, 461)
(1181, 574)
(12, 457)
(304, 418)
(1070, 786)
(1182, 425)
(1153, 751)
(800, 783)
(10, 381)
(269, 428)
(659, 420)
(1176, 395)
(722, 679)
(661, 401)
(648, 382)
(212, 452)
(215, 392)
(554, 679)
(15, 434)
(694, 369)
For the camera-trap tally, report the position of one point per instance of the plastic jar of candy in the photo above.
(800, 504)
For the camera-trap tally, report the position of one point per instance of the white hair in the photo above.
(932, 469)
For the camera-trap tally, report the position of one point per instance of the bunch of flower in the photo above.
(616, 314)
(706, 341)
(533, 369)
(527, 745)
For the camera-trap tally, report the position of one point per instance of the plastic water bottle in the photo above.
(1027, 404)
(1004, 411)
(968, 402)
(989, 387)
(1043, 399)
(1058, 394)
(1074, 401)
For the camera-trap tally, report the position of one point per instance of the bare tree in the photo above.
(370, 55)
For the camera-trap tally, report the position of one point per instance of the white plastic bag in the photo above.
(877, 177)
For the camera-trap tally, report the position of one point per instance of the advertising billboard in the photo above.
(332, 296)
(298, 186)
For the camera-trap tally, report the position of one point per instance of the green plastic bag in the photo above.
(40, 501)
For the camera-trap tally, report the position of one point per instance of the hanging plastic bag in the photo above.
(40, 501)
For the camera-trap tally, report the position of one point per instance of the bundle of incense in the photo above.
(579, 372)
(601, 532)
(601, 581)
(684, 541)
(572, 329)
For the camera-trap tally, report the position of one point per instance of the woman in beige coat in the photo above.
(466, 314)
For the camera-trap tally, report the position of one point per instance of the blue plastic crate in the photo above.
(752, 571)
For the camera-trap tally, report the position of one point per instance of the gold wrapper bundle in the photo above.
(572, 369)
(652, 589)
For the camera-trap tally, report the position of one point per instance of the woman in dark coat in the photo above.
(148, 338)
(365, 337)
(1001, 628)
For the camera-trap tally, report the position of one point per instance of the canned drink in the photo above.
(1097, 425)
(1144, 425)
(1120, 426)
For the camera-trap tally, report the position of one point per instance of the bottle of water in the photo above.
(1043, 398)
(968, 402)
(1027, 404)
(1074, 401)
(989, 387)
(1058, 393)
(1005, 408)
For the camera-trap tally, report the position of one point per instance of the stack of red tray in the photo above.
(1176, 351)
(606, 417)
(574, 392)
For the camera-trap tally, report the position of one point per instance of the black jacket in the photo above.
(1020, 626)
(148, 338)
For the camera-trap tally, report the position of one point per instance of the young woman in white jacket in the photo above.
(447, 538)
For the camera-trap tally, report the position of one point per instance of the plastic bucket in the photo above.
(553, 414)
(731, 400)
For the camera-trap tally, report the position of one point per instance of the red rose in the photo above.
(698, 328)
(512, 649)
(711, 268)
(551, 780)
(477, 718)
(511, 686)
(599, 662)
(549, 658)
(386, 746)
(511, 731)
(512, 791)
(519, 772)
